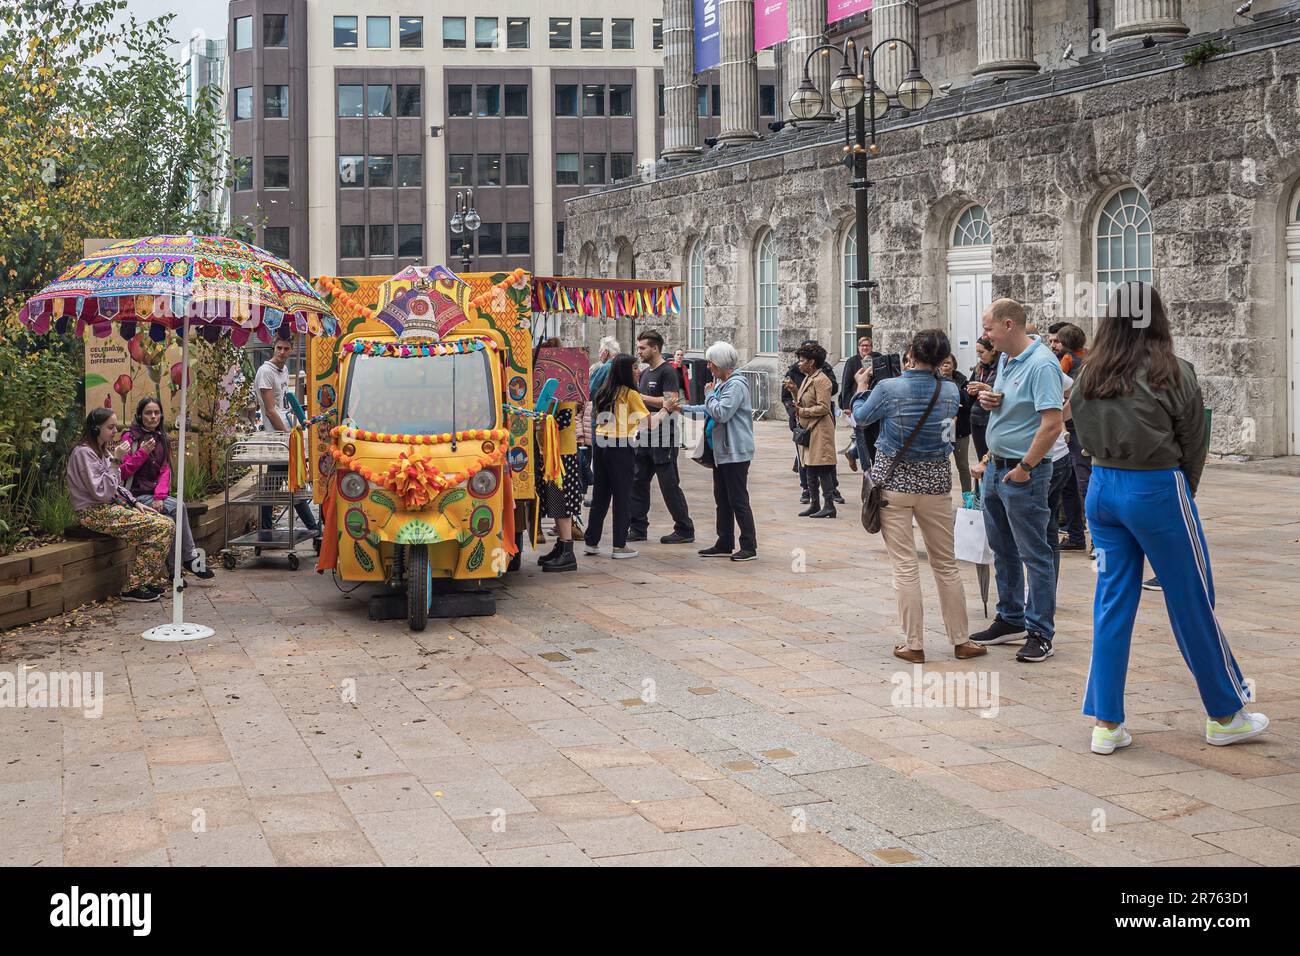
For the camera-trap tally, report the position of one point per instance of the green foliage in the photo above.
(51, 509)
(1198, 55)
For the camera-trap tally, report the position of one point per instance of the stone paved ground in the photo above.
(770, 736)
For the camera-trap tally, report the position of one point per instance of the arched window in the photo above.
(765, 271)
(695, 297)
(972, 229)
(1123, 245)
(848, 294)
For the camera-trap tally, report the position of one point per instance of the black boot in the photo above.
(828, 493)
(565, 561)
(814, 497)
(551, 555)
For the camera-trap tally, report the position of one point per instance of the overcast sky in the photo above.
(206, 15)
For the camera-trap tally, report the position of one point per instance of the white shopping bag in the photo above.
(970, 542)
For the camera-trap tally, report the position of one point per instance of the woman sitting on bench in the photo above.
(103, 504)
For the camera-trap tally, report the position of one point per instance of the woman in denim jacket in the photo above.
(920, 487)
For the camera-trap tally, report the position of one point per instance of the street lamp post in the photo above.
(855, 88)
(465, 222)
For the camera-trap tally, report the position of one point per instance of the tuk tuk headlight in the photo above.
(353, 486)
(484, 484)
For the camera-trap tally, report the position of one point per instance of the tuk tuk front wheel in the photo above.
(417, 586)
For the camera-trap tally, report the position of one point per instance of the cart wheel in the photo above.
(315, 544)
(293, 561)
(229, 561)
(417, 586)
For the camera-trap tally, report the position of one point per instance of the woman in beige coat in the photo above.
(813, 411)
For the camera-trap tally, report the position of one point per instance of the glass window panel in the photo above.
(661, 99)
(702, 101)
(767, 100)
(768, 336)
(485, 32)
(559, 237)
(717, 99)
(658, 33)
(620, 100)
(408, 99)
(381, 241)
(352, 242)
(516, 99)
(379, 100)
(379, 32)
(561, 33)
(489, 171)
(849, 295)
(517, 33)
(410, 169)
(593, 99)
(518, 238)
(593, 33)
(459, 167)
(275, 172)
(350, 101)
(276, 241)
(566, 100)
(242, 172)
(489, 101)
(379, 169)
(695, 298)
(410, 241)
(411, 32)
(351, 171)
(244, 33)
(593, 169)
(489, 239)
(345, 32)
(275, 30)
(566, 169)
(620, 166)
(276, 105)
(244, 102)
(453, 33)
(517, 169)
(460, 100)
(620, 33)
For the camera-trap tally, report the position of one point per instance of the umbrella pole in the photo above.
(178, 630)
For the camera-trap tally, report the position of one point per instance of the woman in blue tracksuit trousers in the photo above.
(1139, 413)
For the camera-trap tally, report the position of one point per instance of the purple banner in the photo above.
(708, 35)
(840, 9)
(771, 25)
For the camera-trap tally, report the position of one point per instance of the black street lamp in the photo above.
(855, 88)
(465, 222)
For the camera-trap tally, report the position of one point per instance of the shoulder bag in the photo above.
(872, 493)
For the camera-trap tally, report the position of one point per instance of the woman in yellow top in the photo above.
(563, 500)
(620, 414)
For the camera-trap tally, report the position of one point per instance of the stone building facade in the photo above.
(1189, 170)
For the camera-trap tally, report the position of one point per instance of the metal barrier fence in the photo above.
(757, 382)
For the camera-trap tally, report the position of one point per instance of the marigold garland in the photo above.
(446, 438)
(417, 348)
(484, 299)
(417, 481)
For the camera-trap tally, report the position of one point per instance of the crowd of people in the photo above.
(1110, 440)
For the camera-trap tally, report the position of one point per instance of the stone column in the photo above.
(807, 20)
(780, 82)
(1005, 35)
(738, 73)
(894, 19)
(681, 124)
(1159, 19)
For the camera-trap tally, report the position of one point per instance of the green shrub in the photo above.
(51, 510)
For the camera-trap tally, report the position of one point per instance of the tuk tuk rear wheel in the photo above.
(417, 586)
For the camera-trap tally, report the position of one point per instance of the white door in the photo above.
(1293, 379)
(968, 296)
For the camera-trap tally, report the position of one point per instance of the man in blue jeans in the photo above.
(1025, 418)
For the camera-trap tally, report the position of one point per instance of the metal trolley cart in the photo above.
(265, 451)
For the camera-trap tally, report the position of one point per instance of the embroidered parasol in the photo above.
(211, 285)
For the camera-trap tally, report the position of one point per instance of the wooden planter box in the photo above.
(89, 567)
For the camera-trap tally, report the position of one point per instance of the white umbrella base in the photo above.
(178, 632)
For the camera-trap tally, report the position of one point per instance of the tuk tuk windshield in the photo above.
(420, 396)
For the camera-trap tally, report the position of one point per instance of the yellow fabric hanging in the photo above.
(552, 461)
(297, 460)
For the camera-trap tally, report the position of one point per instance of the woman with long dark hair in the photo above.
(917, 412)
(147, 468)
(982, 376)
(1139, 413)
(105, 505)
(815, 413)
(619, 413)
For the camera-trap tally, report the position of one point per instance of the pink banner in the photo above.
(770, 23)
(840, 9)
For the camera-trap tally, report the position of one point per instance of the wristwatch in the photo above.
(1027, 466)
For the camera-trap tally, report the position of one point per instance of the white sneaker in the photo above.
(1107, 741)
(591, 549)
(1242, 727)
(624, 552)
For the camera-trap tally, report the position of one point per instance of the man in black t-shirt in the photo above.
(656, 455)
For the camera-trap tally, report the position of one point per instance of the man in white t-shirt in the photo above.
(269, 386)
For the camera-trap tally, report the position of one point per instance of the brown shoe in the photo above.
(968, 650)
(851, 459)
(909, 655)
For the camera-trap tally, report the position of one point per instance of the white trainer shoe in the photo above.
(1243, 726)
(592, 549)
(1107, 741)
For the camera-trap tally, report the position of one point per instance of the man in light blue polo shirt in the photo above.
(1025, 418)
